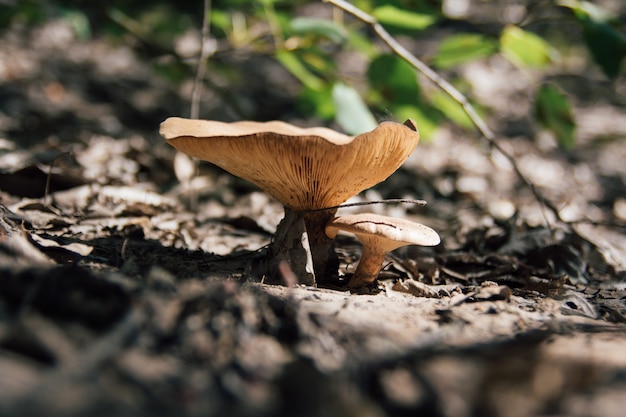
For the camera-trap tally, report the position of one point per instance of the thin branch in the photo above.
(368, 203)
(205, 51)
(613, 225)
(196, 92)
(450, 90)
(46, 193)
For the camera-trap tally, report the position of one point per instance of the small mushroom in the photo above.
(305, 169)
(379, 234)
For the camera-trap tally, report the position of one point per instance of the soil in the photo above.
(126, 285)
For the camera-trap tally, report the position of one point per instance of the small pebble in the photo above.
(619, 208)
(501, 209)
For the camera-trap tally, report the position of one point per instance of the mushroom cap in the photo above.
(388, 233)
(302, 168)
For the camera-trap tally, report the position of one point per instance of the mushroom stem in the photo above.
(325, 260)
(369, 267)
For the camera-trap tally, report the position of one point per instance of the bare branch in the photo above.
(205, 51)
(450, 90)
(46, 193)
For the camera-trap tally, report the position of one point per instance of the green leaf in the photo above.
(395, 90)
(319, 27)
(221, 20)
(298, 69)
(589, 10)
(606, 45)
(403, 19)
(362, 44)
(28, 12)
(451, 109)
(525, 49)
(605, 42)
(174, 71)
(79, 23)
(553, 111)
(156, 24)
(426, 118)
(317, 102)
(458, 49)
(317, 60)
(352, 113)
(394, 79)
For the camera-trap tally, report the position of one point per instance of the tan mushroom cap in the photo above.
(387, 233)
(379, 235)
(302, 168)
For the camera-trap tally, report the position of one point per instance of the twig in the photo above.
(450, 90)
(196, 93)
(289, 277)
(124, 249)
(613, 225)
(367, 203)
(46, 192)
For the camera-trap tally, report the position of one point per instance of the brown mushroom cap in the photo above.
(387, 233)
(379, 235)
(302, 168)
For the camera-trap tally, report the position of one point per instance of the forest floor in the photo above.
(126, 292)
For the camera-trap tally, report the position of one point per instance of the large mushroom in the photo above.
(379, 235)
(306, 169)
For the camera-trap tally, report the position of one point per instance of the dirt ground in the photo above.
(125, 291)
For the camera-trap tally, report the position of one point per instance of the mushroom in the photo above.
(379, 234)
(307, 170)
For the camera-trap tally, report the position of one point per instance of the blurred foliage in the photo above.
(308, 46)
(604, 35)
(553, 110)
(465, 47)
(525, 49)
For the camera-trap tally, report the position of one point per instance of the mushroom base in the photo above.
(369, 267)
(325, 260)
(290, 245)
(300, 241)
